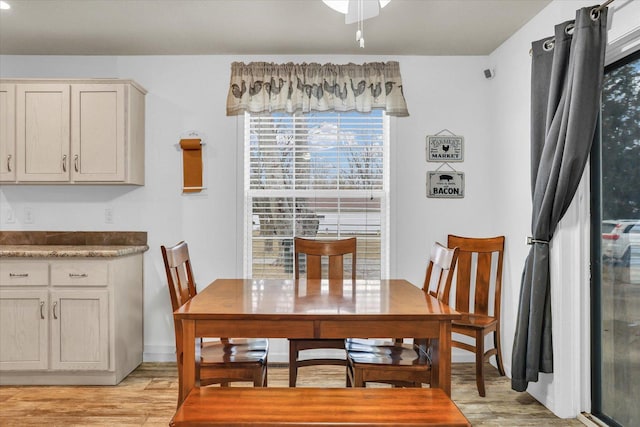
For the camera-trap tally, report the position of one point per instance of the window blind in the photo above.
(315, 175)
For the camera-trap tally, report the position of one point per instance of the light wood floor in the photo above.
(147, 397)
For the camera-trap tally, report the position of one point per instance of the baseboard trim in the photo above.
(159, 353)
(589, 420)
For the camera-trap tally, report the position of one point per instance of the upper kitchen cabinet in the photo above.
(78, 131)
(42, 132)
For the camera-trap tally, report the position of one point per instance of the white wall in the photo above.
(189, 93)
(567, 391)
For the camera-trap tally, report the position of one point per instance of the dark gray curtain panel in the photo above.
(566, 83)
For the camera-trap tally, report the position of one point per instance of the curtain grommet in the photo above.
(595, 14)
(568, 30)
(548, 45)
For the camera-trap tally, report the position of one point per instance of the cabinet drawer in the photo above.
(80, 273)
(15, 273)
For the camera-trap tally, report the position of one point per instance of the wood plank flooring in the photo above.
(147, 397)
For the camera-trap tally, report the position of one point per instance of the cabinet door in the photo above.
(24, 325)
(7, 132)
(80, 329)
(42, 118)
(98, 132)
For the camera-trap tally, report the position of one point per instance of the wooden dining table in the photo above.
(285, 308)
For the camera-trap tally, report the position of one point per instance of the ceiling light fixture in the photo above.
(357, 11)
(4, 5)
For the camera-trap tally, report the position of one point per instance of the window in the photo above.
(315, 175)
(615, 262)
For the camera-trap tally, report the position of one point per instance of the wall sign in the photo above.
(445, 148)
(445, 184)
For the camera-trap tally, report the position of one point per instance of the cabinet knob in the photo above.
(75, 163)
(9, 163)
(64, 163)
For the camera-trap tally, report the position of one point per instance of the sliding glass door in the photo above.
(616, 255)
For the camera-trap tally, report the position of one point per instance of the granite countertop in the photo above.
(61, 251)
(59, 244)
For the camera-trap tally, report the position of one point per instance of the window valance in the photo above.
(266, 87)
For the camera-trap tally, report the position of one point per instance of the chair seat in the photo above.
(391, 355)
(235, 351)
(365, 344)
(472, 320)
(404, 365)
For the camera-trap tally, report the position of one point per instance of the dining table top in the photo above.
(315, 309)
(269, 299)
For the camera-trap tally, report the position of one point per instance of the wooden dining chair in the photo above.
(397, 363)
(220, 362)
(314, 251)
(477, 296)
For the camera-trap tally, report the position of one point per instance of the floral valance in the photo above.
(266, 87)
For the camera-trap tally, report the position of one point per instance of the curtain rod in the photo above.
(603, 5)
(596, 10)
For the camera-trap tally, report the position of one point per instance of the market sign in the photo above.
(445, 148)
(445, 184)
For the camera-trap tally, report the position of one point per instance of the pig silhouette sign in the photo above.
(446, 185)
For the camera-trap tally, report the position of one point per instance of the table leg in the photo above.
(188, 365)
(443, 358)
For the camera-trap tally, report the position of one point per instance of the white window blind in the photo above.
(315, 175)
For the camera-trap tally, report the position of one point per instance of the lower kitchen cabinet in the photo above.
(24, 329)
(79, 330)
(70, 320)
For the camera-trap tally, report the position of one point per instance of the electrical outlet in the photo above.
(108, 215)
(9, 216)
(29, 216)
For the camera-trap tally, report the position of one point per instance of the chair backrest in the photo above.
(179, 274)
(333, 249)
(442, 263)
(476, 274)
